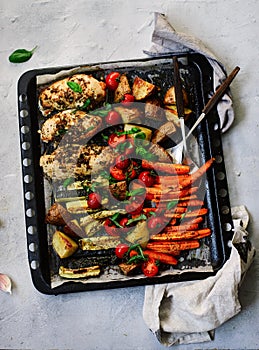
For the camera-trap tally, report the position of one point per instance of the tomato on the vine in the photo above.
(112, 80)
(150, 268)
(147, 178)
(128, 99)
(114, 140)
(94, 200)
(113, 118)
(121, 250)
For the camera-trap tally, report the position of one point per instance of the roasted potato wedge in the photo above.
(122, 89)
(142, 89)
(63, 245)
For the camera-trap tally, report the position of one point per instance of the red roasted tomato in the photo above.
(123, 222)
(113, 118)
(128, 99)
(122, 162)
(147, 178)
(121, 250)
(114, 140)
(121, 174)
(149, 268)
(112, 80)
(94, 200)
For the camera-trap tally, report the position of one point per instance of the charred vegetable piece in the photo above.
(83, 272)
(98, 243)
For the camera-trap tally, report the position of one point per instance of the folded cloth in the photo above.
(189, 312)
(167, 41)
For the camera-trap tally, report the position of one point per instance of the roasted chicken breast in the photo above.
(75, 160)
(83, 124)
(60, 96)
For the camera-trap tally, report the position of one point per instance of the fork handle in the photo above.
(220, 91)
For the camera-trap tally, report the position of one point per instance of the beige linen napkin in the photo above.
(188, 312)
(166, 40)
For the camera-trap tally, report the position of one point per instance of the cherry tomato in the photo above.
(113, 118)
(122, 162)
(121, 174)
(123, 222)
(156, 223)
(121, 250)
(149, 268)
(110, 228)
(94, 200)
(114, 140)
(128, 99)
(147, 178)
(134, 208)
(112, 80)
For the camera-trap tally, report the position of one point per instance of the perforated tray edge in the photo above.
(35, 211)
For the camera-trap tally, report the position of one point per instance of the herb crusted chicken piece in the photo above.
(72, 92)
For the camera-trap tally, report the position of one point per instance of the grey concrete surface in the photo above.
(75, 32)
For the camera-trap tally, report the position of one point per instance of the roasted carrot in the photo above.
(153, 193)
(188, 191)
(181, 235)
(162, 257)
(169, 168)
(188, 214)
(172, 246)
(165, 251)
(192, 221)
(180, 228)
(198, 173)
(156, 201)
(191, 203)
(171, 178)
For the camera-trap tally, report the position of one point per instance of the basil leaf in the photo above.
(137, 192)
(21, 55)
(74, 86)
(86, 104)
(141, 135)
(171, 204)
(139, 218)
(129, 132)
(68, 181)
(102, 112)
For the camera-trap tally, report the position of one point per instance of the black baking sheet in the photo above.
(197, 76)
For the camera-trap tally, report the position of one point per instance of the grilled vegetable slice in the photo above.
(139, 234)
(143, 133)
(98, 243)
(63, 245)
(83, 272)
